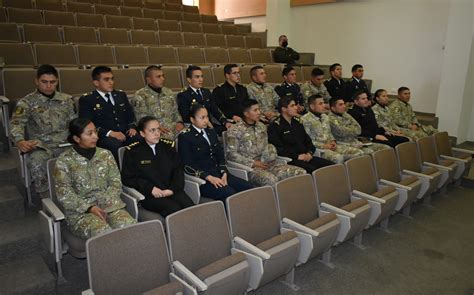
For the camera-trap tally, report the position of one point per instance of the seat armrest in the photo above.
(52, 209)
(188, 290)
(286, 159)
(413, 173)
(239, 166)
(397, 185)
(299, 227)
(87, 292)
(437, 166)
(194, 179)
(318, 153)
(368, 197)
(459, 150)
(133, 192)
(453, 159)
(132, 204)
(246, 246)
(4, 99)
(337, 210)
(184, 272)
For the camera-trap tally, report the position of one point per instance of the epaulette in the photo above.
(297, 119)
(185, 130)
(277, 120)
(87, 93)
(167, 141)
(133, 144)
(219, 85)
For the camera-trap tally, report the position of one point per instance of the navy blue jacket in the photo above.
(188, 97)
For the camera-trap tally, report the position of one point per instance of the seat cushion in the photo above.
(322, 220)
(383, 192)
(354, 205)
(430, 171)
(168, 289)
(408, 180)
(77, 246)
(276, 240)
(145, 215)
(220, 265)
(446, 163)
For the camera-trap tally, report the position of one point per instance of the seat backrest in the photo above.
(143, 37)
(274, 74)
(209, 19)
(253, 42)
(191, 9)
(17, 55)
(198, 235)
(194, 27)
(142, 23)
(173, 77)
(218, 74)
(208, 78)
(119, 22)
(427, 148)
(260, 56)
(17, 83)
(194, 39)
(155, 4)
(238, 55)
(3, 15)
(173, 15)
(216, 55)
(216, 40)
(192, 17)
(168, 25)
(90, 20)
(133, 3)
(297, 199)
(245, 72)
(173, 6)
(80, 35)
(26, 4)
(230, 30)
(60, 55)
(129, 260)
(41, 33)
(189, 55)
(170, 38)
(21, 16)
(94, 55)
(50, 166)
(131, 11)
(332, 185)
(162, 55)
(53, 5)
(79, 7)
(9, 33)
(235, 41)
(129, 80)
(59, 18)
(153, 13)
(110, 2)
(121, 153)
(362, 174)
(408, 157)
(75, 82)
(443, 144)
(244, 28)
(299, 74)
(211, 28)
(131, 55)
(386, 165)
(113, 36)
(106, 9)
(253, 215)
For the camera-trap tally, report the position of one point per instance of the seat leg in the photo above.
(29, 196)
(358, 241)
(384, 226)
(59, 268)
(406, 212)
(290, 280)
(427, 201)
(326, 259)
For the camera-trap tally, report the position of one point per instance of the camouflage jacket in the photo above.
(344, 127)
(265, 95)
(402, 114)
(42, 118)
(163, 106)
(308, 89)
(318, 129)
(383, 115)
(82, 183)
(247, 143)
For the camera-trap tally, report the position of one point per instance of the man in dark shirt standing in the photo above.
(365, 116)
(229, 95)
(289, 87)
(336, 85)
(289, 137)
(285, 54)
(356, 83)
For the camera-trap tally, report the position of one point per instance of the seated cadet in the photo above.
(158, 101)
(45, 114)
(196, 94)
(356, 83)
(289, 87)
(336, 85)
(346, 130)
(203, 157)
(370, 130)
(247, 144)
(384, 117)
(404, 116)
(315, 87)
(88, 184)
(316, 124)
(263, 93)
(110, 111)
(287, 134)
(153, 168)
(230, 94)
(285, 54)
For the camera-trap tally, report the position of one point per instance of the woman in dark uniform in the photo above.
(153, 168)
(203, 157)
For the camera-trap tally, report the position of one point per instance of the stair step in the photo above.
(9, 168)
(12, 203)
(26, 276)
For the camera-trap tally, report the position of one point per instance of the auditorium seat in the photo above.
(17, 83)
(170, 38)
(253, 42)
(334, 196)
(298, 208)
(129, 80)
(119, 22)
(131, 11)
(79, 7)
(299, 74)
(53, 5)
(41, 33)
(106, 9)
(245, 73)
(208, 77)
(193, 27)
(189, 55)
(153, 13)
(80, 35)
(25, 4)
(154, 4)
(172, 6)
(194, 39)
(255, 228)
(235, 41)
(244, 29)
(75, 82)
(168, 25)
(211, 28)
(173, 77)
(113, 36)
(261, 56)
(212, 19)
(59, 55)
(192, 17)
(229, 30)
(21, 16)
(162, 55)
(145, 37)
(130, 56)
(388, 172)
(144, 24)
(93, 55)
(111, 2)
(171, 1)
(3, 15)
(219, 78)
(173, 15)
(216, 55)
(90, 20)
(274, 74)
(133, 3)
(9, 33)
(89, 1)
(428, 156)
(237, 55)
(190, 9)
(445, 151)
(215, 40)
(59, 18)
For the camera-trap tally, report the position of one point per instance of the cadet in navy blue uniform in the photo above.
(203, 157)
(336, 85)
(356, 83)
(289, 87)
(110, 111)
(153, 168)
(195, 93)
(289, 137)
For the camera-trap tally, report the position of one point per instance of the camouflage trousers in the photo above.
(413, 134)
(274, 173)
(366, 150)
(342, 153)
(37, 168)
(88, 225)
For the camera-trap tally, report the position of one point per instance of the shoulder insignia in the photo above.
(277, 120)
(298, 119)
(186, 130)
(87, 93)
(167, 141)
(19, 110)
(132, 145)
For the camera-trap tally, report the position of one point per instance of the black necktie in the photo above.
(199, 93)
(108, 99)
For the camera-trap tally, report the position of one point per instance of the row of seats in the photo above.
(85, 35)
(21, 55)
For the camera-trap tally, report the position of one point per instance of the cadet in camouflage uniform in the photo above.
(263, 93)
(404, 116)
(247, 144)
(316, 123)
(158, 101)
(88, 184)
(346, 129)
(315, 86)
(43, 115)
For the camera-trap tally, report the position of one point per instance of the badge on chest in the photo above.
(144, 162)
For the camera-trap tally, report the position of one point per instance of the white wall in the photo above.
(259, 23)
